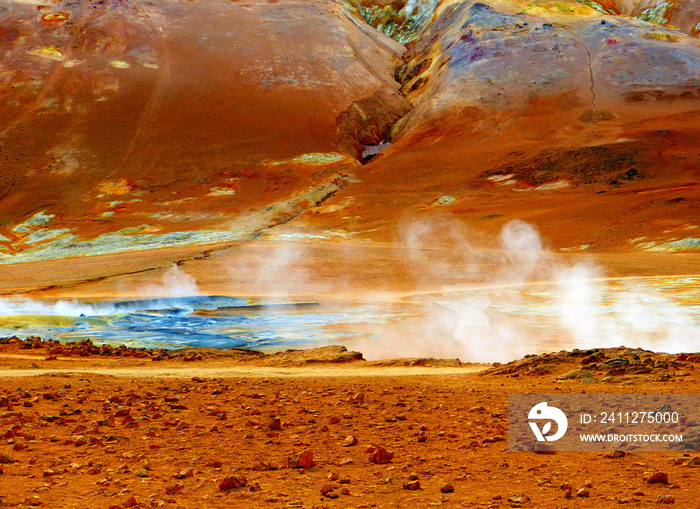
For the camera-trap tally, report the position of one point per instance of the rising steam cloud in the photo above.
(174, 283)
(510, 296)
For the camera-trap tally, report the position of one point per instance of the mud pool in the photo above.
(482, 324)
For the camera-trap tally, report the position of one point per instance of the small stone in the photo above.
(5, 459)
(447, 488)
(185, 473)
(122, 411)
(232, 482)
(350, 441)
(131, 502)
(583, 492)
(255, 487)
(658, 477)
(379, 455)
(344, 491)
(665, 499)
(174, 489)
(519, 499)
(565, 486)
(214, 464)
(588, 484)
(616, 454)
(412, 485)
(328, 492)
(333, 476)
(568, 493)
(302, 460)
(142, 473)
(275, 424)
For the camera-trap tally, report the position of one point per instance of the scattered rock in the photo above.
(412, 485)
(302, 460)
(583, 492)
(658, 477)
(665, 499)
(379, 455)
(232, 482)
(6, 459)
(447, 488)
(185, 473)
(519, 499)
(350, 441)
(616, 454)
(174, 489)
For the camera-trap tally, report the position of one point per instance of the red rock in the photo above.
(122, 411)
(350, 441)
(583, 492)
(379, 455)
(131, 502)
(665, 499)
(109, 421)
(172, 490)
(333, 476)
(214, 464)
(658, 477)
(328, 492)
(275, 424)
(413, 485)
(233, 482)
(302, 460)
(447, 488)
(20, 447)
(5, 459)
(335, 419)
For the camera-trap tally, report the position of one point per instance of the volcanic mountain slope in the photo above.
(131, 125)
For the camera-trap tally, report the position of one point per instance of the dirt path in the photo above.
(240, 371)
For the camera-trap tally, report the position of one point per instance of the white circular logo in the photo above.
(550, 413)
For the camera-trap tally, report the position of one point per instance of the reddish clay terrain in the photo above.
(133, 126)
(365, 436)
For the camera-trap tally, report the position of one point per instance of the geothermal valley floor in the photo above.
(83, 430)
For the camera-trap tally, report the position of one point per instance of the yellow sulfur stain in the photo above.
(120, 64)
(50, 52)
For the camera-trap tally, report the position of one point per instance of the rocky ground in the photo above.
(361, 437)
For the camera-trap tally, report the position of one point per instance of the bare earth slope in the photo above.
(130, 126)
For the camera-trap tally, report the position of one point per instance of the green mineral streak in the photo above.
(404, 25)
(597, 7)
(678, 245)
(655, 15)
(317, 158)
